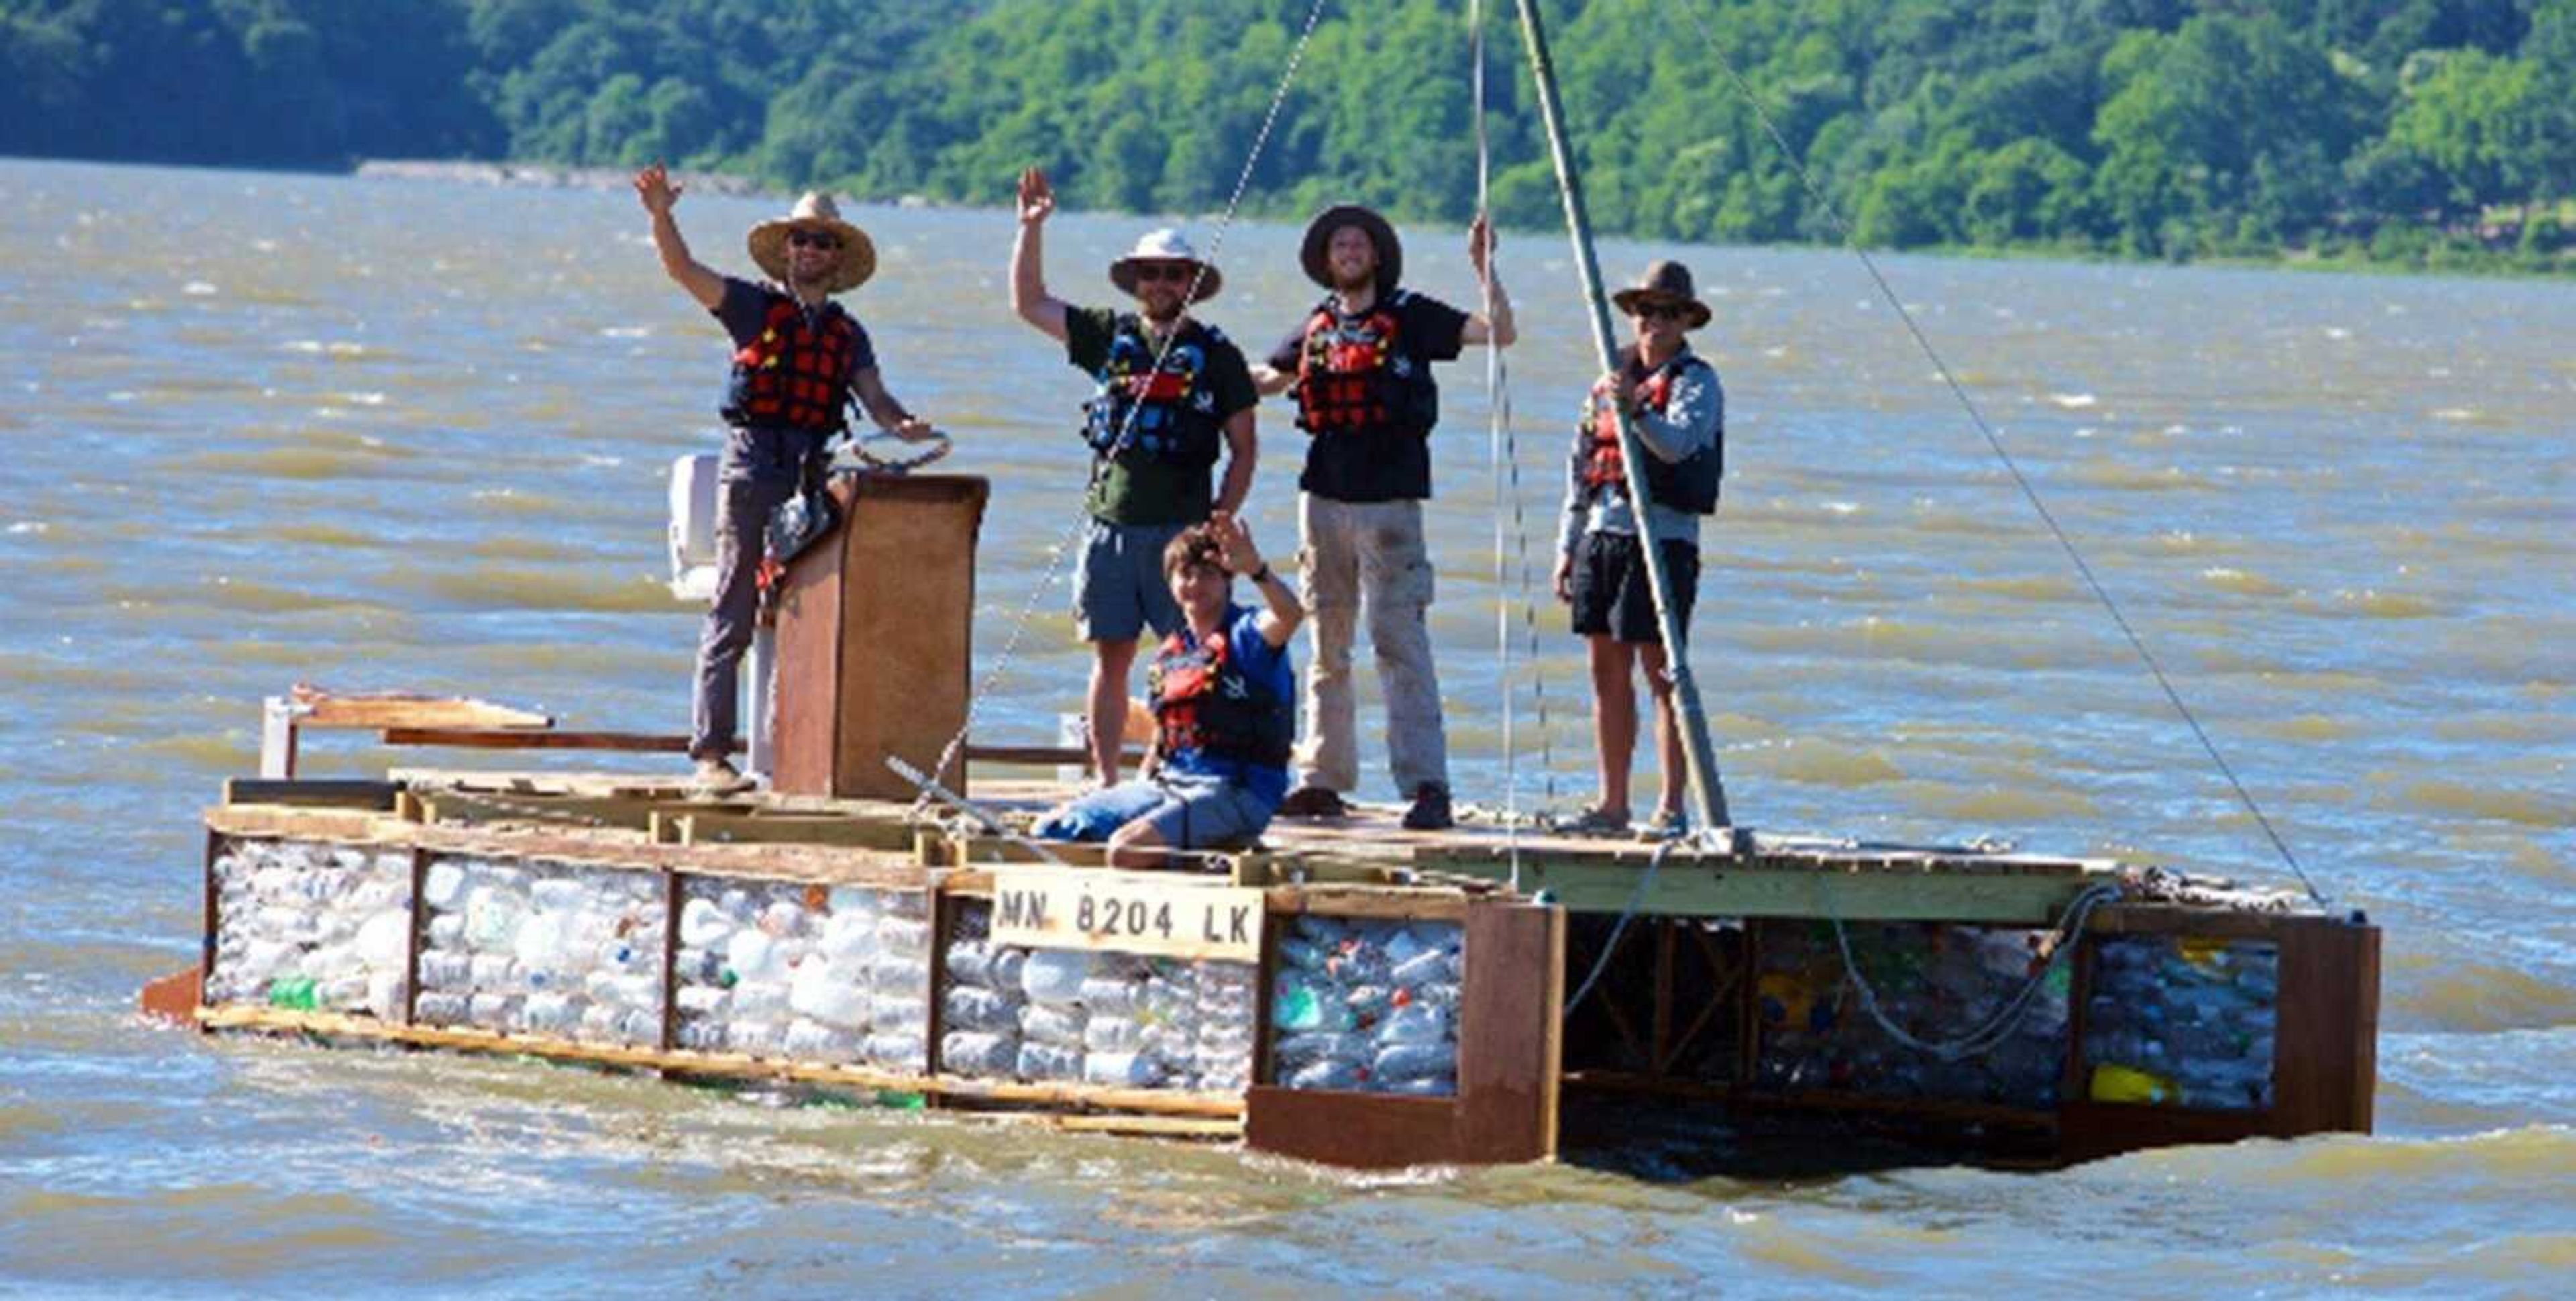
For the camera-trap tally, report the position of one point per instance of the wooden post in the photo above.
(1705, 782)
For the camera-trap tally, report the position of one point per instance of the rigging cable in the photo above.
(1816, 194)
(1066, 541)
(1503, 452)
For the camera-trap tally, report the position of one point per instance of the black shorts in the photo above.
(1611, 595)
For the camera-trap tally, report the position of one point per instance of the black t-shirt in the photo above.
(744, 313)
(1390, 464)
(1138, 486)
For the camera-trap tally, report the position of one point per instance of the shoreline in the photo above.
(2488, 263)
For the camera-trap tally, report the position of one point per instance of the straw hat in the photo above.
(815, 211)
(1319, 237)
(1166, 245)
(1664, 282)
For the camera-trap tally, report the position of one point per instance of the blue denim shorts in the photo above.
(1119, 591)
(1188, 811)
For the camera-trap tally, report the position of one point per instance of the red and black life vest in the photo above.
(1165, 411)
(1688, 485)
(795, 371)
(1355, 376)
(1204, 701)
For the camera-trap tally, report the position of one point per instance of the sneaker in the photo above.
(1312, 801)
(1430, 811)
(717, 777)
(1596, 821)
(1667, 824)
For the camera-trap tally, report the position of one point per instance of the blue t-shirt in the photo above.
(1267, 667)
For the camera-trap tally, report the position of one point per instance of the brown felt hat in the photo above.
(1319, 236)
(1665, 282)
(815, 211)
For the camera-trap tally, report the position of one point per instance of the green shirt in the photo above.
(1141, 485)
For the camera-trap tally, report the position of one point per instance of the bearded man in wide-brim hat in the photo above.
(1677, 407)
(1360, 367)
(799, 359)
(1169, 393)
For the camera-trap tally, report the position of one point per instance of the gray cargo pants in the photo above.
(1369, 557)
(761, 469)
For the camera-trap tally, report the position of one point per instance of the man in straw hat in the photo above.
(1169, 390)
(1678, 408)
(798, 358)
(1360, 366)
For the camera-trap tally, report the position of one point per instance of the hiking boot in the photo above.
(717, 777)
(1312, 801)
(1430, 811)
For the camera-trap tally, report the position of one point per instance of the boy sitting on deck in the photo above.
(1224, 700)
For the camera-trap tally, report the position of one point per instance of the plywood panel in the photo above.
(907, 640)
(1367, 1131)
(810, 628)
(1508, 1014)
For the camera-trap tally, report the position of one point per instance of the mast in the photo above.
(1708, 788)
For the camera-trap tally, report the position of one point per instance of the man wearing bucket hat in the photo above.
(798, 358)
(1678, 408)
(1169, 391)
(1360, 367)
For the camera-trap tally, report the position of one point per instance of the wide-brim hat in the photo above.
(815, 211)
(1166, 245)
(1665, 282)
(1319, 238)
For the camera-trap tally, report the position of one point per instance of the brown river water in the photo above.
(372, 434)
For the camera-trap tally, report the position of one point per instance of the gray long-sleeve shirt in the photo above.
(1694, 412)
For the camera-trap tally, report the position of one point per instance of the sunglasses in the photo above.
(1165, 271)
(1661, 312)
(823, 240)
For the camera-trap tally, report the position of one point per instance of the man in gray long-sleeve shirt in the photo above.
(1678, 408)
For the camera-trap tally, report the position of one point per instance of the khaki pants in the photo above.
(1368, 558)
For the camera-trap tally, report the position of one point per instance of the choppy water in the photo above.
(268, 428)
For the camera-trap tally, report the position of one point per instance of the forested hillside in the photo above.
(2413, 132)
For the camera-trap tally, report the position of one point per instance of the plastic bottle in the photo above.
(1418, 1023)
(1295, 1050)
(907, 1049)
(828, 994)
(1413, 1061)
(978, 1052)
(1047, 1061)
(1055, 975)
(972, 1007)
(1122, 1070)
(1329, 1073)
(1053, 1023)
(2115, 1083)
(703, 925)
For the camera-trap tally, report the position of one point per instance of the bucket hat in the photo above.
(1166, 245)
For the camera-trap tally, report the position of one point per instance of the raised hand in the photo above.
(1480, 245)
(655, 188)
(1037, 198)
(1234, 543)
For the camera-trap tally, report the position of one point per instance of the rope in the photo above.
(1816, 195)
(1998, 1027)
(1610, 946)
(1065, 541)
(1503, 452)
